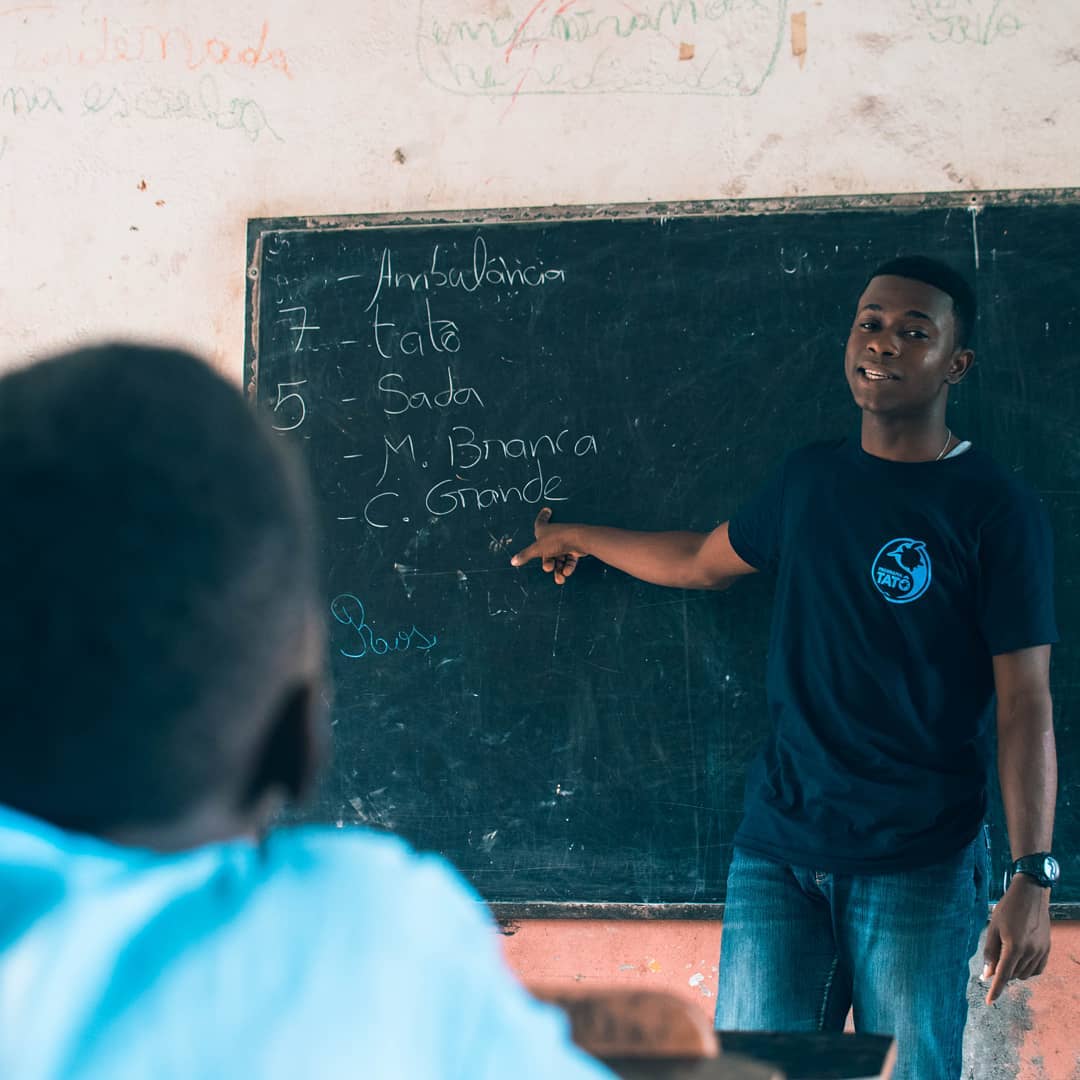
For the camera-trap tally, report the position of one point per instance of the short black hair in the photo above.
(156, 557)
(941, 276)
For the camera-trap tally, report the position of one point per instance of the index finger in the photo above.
(526, 555)
(1003, 973)
(531, 552)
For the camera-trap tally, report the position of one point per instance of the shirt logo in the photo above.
(901, 571)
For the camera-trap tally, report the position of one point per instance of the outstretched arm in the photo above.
(682, 560)
(1018, 939)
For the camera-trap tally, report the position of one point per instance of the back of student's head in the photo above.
(156, 587)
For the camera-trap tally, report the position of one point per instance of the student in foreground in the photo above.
(913, 583)
(161, 667)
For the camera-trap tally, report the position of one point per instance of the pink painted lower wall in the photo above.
(1032, 1033)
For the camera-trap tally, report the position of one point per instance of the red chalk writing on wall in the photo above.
(105, 41)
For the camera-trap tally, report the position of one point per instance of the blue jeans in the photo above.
(801, 946)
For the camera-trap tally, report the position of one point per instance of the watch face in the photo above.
(1050, 868)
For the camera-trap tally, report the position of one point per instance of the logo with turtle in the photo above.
(901, 570)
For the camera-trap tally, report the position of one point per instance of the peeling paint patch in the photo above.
(875, 43)
(955, 175)
(798, 36)
(869, 105)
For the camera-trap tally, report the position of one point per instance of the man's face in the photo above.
(902, 353)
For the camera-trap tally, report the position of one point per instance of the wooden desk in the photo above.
(658, 1035)
(825, 1055)
(650, 1035)
(728, 1067)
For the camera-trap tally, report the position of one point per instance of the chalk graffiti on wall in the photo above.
(27, 100)
(97, 69)
(720, 47)
(206, 103)
(968, 22)
(103, 41)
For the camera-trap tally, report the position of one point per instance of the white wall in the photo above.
(136, 138)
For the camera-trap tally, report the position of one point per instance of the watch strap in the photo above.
(1041, 866)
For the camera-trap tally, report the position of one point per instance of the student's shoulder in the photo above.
(372, 868)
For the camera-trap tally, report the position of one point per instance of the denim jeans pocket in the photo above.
(983, 863)
(981, 860)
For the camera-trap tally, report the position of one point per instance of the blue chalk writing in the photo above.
(349, 611)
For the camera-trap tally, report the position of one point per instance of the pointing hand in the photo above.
(555, 546)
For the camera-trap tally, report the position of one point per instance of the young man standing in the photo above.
(913, 586)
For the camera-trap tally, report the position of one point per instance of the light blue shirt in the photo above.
(317, 954)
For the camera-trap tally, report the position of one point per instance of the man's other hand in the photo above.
(1018, 938)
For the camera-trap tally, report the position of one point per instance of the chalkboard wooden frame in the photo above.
(508, 913)
(970, 201)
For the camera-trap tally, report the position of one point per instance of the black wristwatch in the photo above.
(1042, 866)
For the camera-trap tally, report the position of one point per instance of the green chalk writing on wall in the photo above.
(25, 101)
(207, 103)
(967, 22)
(118, 103)
(603, 47)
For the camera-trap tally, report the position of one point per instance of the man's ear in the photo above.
(293, 750)
(959, 366)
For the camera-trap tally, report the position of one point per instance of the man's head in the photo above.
(160, 655)
(910, 339)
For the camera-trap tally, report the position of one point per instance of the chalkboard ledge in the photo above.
(505, 913)
(583, 909)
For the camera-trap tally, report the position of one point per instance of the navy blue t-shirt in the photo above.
(896, 583)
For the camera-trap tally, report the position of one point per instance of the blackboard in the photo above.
(644, 366)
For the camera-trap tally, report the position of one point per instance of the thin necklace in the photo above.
(948, 439)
